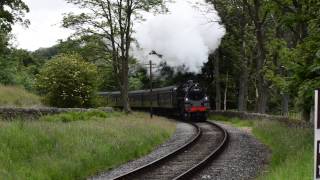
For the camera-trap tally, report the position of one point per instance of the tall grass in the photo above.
(12, 96)
(292, 150)
(54, 149)
(291, 147)
(80, 116)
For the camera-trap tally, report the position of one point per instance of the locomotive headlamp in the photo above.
(206, 98)
(187, 99)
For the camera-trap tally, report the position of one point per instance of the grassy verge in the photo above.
(292, 148)
(60, 147)
(12, 96)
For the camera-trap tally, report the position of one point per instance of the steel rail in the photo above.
(195, 169)
(164, 158)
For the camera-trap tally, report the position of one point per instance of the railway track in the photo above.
(187, 160)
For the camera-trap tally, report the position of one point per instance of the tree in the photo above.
(11, 12)
(68, 81)
(274, 45)
(8, 71)
(217, 59)
(165, 75)
(91, 48)
(258, 15)
(112, 21)
(18, 67)
(237, 44)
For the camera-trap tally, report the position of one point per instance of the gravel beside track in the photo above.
(189, 158)
(243, 158)
(183, 134)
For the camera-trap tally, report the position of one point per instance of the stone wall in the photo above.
(34, 113)
(249, 116)
(257, 116)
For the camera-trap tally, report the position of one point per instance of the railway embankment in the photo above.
(290, 144)
(77, 145)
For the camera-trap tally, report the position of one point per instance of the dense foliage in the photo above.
(270, 55)
(12, 11)
(18, 67)
(68, 81)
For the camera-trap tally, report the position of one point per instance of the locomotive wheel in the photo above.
(184, 116)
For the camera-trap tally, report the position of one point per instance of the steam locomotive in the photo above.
(188, 100)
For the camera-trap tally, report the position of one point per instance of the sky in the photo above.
(45, 29)
(184, 36)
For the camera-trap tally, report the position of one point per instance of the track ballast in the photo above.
(188, 160)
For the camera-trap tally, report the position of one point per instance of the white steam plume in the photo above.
(184, 36)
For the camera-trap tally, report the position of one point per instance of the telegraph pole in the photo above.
(151, 97)
(151, 79)
(151, 66)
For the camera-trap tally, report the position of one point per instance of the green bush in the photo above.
(68, 81)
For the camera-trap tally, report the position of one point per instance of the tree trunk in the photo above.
(244, 74)
(125, 48)
(262, 100)
(217, 80)
(226, 93)
(125, 100)
(243, 90)
(125, 87)
(262, 84)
